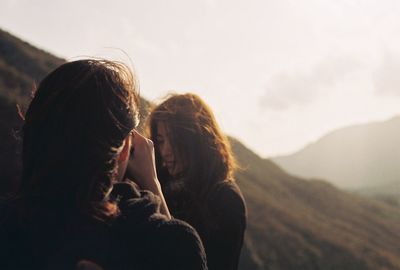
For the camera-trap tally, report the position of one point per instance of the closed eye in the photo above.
(160, 140)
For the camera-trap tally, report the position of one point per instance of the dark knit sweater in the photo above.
(139, 238)
(222, 226)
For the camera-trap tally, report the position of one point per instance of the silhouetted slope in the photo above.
(21, 66)
(353, 157)
(299, 224)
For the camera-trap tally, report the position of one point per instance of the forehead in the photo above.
(162, 129)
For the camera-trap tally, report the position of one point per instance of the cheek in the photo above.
(179, 166)
(161, 151)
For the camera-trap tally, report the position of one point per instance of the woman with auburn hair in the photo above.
(73, 205)
(195, 166)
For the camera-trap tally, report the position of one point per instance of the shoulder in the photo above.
(175, 244)
(180, 234)
(227, 207)
(227, 196)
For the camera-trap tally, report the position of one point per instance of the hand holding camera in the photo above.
(141, 166)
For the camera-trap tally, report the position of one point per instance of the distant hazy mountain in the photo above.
(300, 224)
(292, 223)
(363, 156)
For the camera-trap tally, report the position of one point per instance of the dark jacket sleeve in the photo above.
(226, 239)
(158, 242)
(181, 245)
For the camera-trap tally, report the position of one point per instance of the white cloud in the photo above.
(387, 76)
(211, 4)
(303, 87)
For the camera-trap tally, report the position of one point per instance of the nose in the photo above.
(166, 150)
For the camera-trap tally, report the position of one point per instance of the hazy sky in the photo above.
(278, 74)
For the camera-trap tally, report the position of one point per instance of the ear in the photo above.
(124, 155)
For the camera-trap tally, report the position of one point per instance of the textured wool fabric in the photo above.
(222, 229)
(139, 238)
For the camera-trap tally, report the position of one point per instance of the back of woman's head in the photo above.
(196, 138)
(73, 131)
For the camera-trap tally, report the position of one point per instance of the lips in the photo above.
(168, 164)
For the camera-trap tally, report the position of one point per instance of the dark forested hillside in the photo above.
(293, 223)
(21, 67)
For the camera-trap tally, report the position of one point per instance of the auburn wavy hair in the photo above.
(197, 140)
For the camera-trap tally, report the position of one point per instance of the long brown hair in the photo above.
(73, 131)
(197, 139)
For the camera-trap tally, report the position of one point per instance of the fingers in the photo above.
(87, 265)
(138, 138)
(140, 145)
(142, 166)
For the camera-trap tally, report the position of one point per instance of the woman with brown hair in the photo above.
(195, 166)
(72, 204)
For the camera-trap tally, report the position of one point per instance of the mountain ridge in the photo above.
(321, 218)
(352, 157)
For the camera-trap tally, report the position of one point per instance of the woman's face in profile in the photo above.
(169, 160)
